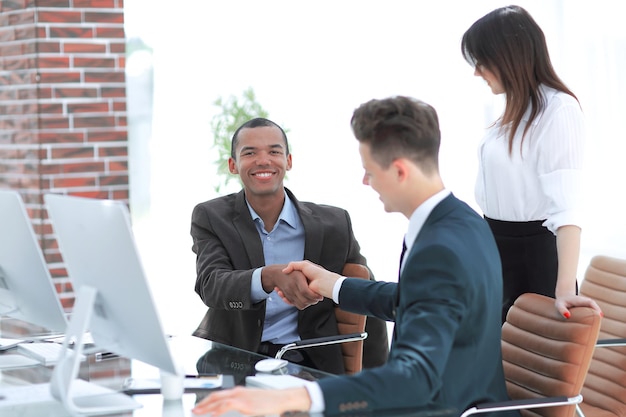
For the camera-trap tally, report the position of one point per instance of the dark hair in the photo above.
(252, 123)
(399, 127)
(509, 43)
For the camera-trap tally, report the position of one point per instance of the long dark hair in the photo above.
(509, 43)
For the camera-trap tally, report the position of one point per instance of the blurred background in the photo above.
(310, 64)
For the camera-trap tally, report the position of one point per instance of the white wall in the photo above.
(311, 64)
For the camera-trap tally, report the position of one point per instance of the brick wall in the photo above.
(62, 108)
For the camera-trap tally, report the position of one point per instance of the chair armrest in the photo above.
(522, 404)
(610, 342)
(321, 341)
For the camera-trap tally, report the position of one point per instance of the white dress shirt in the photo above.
(544, 181)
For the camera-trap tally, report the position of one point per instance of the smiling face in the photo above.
(261, 160)
(492, 80)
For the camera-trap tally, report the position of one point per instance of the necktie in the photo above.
(402, 257)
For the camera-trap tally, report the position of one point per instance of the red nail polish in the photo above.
(567, 315)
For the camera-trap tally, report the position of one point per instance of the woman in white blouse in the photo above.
(530, 161)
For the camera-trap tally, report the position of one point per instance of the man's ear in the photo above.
(232, 166)
(289, 162)
(401, 169)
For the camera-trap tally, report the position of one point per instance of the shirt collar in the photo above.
(420, 215)
(288, 214)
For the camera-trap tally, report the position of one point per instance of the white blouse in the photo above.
(544, 181)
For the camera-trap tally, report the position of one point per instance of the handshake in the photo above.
(301, 284)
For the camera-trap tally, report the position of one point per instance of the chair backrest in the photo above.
(352, 323)
(604, 392)
(545, 354)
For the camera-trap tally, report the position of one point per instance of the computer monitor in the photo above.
(113, 299)
(26, 289)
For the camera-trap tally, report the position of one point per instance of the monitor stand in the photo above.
(64, 376)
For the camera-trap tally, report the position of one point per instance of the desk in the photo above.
(196, 355)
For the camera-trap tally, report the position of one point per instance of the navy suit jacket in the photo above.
(228, 249)
(445, 350)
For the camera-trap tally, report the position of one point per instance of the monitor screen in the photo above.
(97, 244)
(26, 289)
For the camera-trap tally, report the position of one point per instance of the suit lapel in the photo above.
(249, 235)
(313, 233)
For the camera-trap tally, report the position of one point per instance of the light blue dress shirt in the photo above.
(285, 243)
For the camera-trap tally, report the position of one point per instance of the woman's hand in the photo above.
(564, 303)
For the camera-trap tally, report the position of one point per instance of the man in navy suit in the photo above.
(445, 351)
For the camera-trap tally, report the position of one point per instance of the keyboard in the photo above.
(45, 352)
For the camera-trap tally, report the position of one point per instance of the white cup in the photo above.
(172, 385)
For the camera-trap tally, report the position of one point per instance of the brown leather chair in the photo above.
(604, 391)
(545, 357)
(352, 323)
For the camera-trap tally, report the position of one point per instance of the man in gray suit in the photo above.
(445, 352)
(243, 242)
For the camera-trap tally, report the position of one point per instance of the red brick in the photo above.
(53, 3)
(44, 93)
(25, 33)
(17, 63)
(110, 32)
(92, 107)
(114, 92)
(70, 32)
(105, 76)
(94, 62)
(83, 167)
(117, 166)
(93, 121)
(27, 93)
(121, 61)
(74, 182)
(56, 16)
(60, 77)
(108, 151)
(104, 17)
(121, 121)
(11, 49)
(119, 106)
(61, 137)
(107, 136)
(51, 108)
(24, 17)
(101, 194)
(117, 47)
(54, 62)
(86, 152)
(99, 4)
(121, 195)
(77, 92)
(113, 180)
(87, 47)
(54, 123)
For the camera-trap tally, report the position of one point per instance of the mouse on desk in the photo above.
(270, 365)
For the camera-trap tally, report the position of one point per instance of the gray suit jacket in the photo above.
(445, 351)
(229, 249)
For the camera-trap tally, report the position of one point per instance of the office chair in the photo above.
(351, 329)
(545, 358)
(352, 323)
(604, 390)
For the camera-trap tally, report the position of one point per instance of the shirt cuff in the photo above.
(316, 396)
(257, 293)
(337, 288)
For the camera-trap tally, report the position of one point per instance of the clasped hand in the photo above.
(301, 284)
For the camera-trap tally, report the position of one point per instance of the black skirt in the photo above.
(529, 259)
